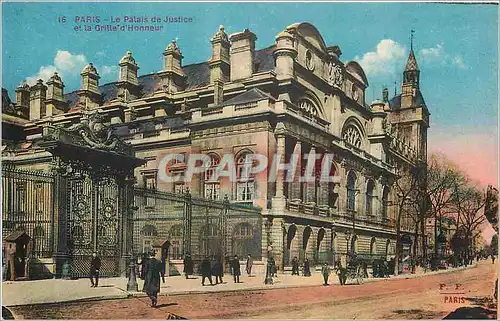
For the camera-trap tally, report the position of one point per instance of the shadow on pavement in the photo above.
(417, 314)
(166, 305)
(6, 314)
(468, 313)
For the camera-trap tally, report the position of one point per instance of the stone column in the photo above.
(310, 188)
(281, 157)
(296, 184)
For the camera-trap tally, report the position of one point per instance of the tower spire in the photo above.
(411, 39)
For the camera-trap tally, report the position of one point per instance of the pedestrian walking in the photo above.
(235, 267)
(295, 266)
(325, 270)
(249, 264)
(342, 273)
(492, 259)
(206, 271)
(217, 270)
(95, 266)
(144, 258)
(188, 265)
(152, 272)
(307, 268)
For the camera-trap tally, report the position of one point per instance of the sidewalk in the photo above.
(58, 290)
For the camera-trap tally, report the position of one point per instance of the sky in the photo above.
(456, 46)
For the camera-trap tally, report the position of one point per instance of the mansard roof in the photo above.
(7, 105)
(249, 96)
(198, 75)
(395, 102)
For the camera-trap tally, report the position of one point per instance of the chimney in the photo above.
(89, 95)
(242, 54)
(37, 100)
(23, 99)
(128, 83)
(385, 95)
(172, 76)
(55, 95)
(284, 55)
(219, 63)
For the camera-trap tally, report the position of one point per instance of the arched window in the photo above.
(307, 107)
(175, 238)
(385, 201)
(148, 233)
(352, 136)
(351, 191)
(243, 241)
(149, 230)
(245, 186)
(210, 240)
(212, 185)
(369, 197)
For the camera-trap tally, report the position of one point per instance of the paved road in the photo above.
(392, 299)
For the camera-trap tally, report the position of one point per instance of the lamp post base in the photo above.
(132, 285)
(269, 279)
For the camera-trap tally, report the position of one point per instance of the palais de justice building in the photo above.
(294, 96)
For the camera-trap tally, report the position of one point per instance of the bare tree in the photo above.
(442, 177)
(468, 204)
(407, 188)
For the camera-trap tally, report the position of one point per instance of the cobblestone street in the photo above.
(417, 298)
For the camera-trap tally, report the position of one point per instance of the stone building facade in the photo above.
(294, 97)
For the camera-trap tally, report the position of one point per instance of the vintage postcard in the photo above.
(256, 160)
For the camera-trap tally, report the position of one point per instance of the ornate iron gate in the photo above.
(27, 204)
(94, 223)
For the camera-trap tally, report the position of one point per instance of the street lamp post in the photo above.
(268, 279)
(132, 281)
(347, 238)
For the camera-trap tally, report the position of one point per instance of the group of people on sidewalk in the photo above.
(214, 267)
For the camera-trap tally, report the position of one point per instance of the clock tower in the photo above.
(411, 79)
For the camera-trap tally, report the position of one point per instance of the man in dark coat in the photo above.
(152, 272)
(307, 268)
(342, 273)
(218, 271)
(206, 271)
(95, 266)
(235, 267)
(188, 266)
(325, 270)
(144, 259)
(295, 266)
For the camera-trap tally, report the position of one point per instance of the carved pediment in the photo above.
(92, 132)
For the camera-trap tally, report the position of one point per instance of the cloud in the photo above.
(45, 73)
(107, 70)
(100, 54)
(438, 55)
(432, 54)
(65, 63)
(385, 60)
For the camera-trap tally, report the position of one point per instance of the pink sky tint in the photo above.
(475, 153)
